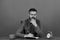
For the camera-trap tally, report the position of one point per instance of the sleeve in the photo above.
(20, 29)
(40, 29)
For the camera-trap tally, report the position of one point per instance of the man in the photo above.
(30, 27)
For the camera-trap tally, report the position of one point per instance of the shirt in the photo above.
(30, 28)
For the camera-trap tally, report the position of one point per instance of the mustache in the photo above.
(33, 17)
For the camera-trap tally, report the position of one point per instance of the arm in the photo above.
(39, 28)
(20, 29)
(22, 32)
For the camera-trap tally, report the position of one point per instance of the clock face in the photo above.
(48, 35)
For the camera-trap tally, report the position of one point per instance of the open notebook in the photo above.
(32, 37)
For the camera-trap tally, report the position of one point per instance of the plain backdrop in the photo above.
(12, 11)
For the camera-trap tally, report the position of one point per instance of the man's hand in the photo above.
(34, 22)
(29, 35)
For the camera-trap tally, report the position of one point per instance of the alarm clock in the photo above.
(49, 35)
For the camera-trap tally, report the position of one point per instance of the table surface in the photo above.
(55, 38)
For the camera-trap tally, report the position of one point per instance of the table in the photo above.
(40, 39)
(6, 38)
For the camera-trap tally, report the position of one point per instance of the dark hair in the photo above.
(32, 9)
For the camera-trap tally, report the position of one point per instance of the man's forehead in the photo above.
(32, 12)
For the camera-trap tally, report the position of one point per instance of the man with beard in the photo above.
(30, 27)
